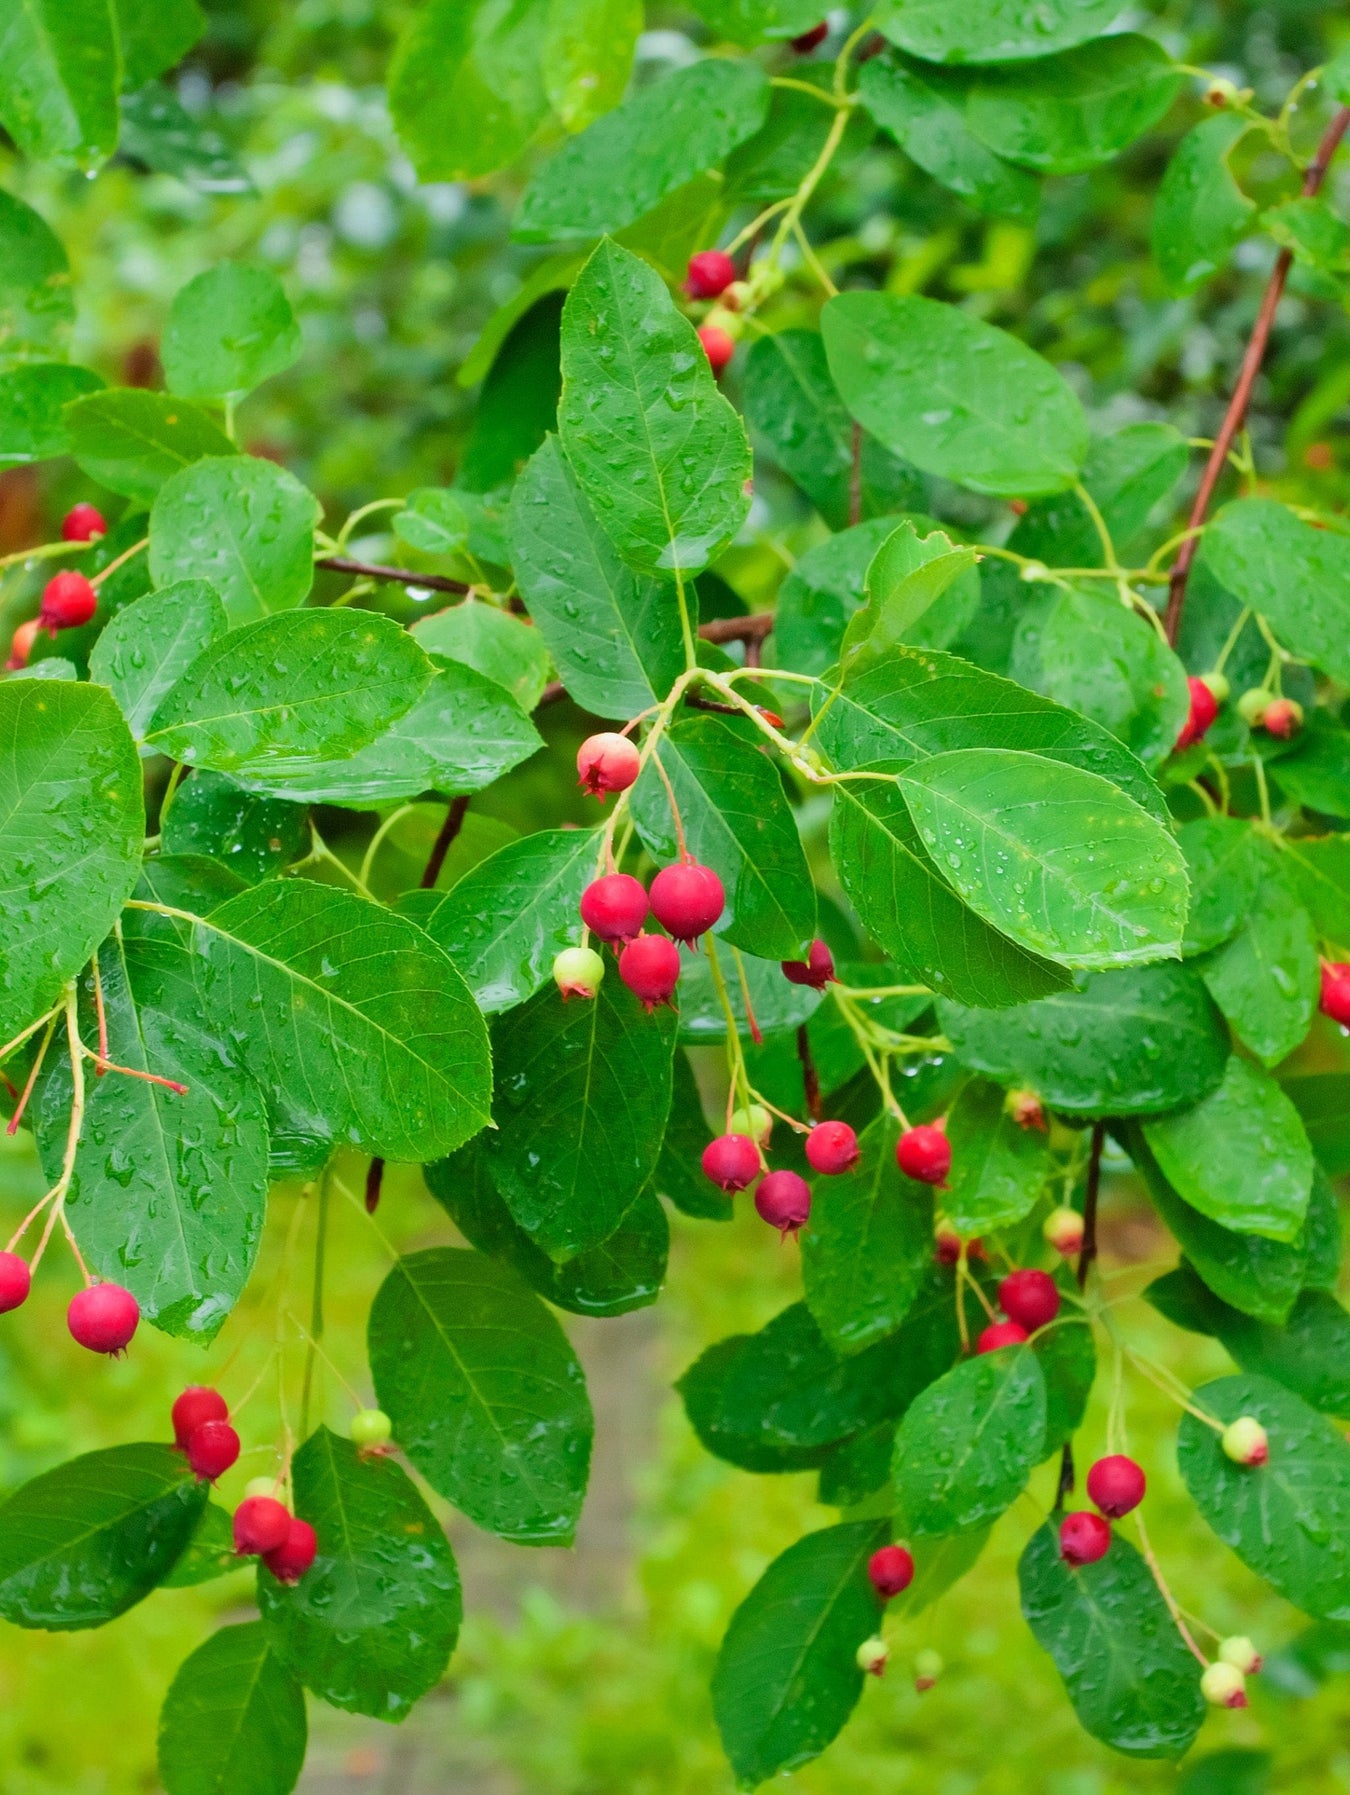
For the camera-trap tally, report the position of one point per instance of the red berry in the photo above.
(211, 1449)
(946, 1244)
(289, 1561)
(832, 1147)
(807, 41)
(891, 1569)
(687, 899)
(1282, 717)
(1336, 991)
(1116, 1484)
(1083, 1538)
(1001, 1333)
(1029, 1297)
(731, 1161)
(21, 645)
(1204, 709)
(82, 523)
(196, 1405)
(816, 970)
(710, 272)
(924, 1153)
(103, 1317)
(67, 601)
(717, 346)
(15, 1281)
(650, 967)
(615, 907)
(784, 1201)
(607, 763)
(261, 1524)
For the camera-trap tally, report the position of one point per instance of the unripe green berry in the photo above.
(1252, 705)
(261, 1486)
(1223, 1686)
(1241, 1654)
(719, 318)
(1218, 685)
(577, 971)
(755, 1121)
(1063, 1230)
(1245, 1441)
(928, 1667)
(370, 1427)
(872, 1655)
(1034, 571)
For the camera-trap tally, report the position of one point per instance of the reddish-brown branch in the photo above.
(371, 570)
(1313, 177)
(738, 629)
(450, 828)
(374, 1183)
(810, 1078)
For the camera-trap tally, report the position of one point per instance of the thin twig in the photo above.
(450, 828)
(1088, 1252)
(810, 1078)
(403, 576)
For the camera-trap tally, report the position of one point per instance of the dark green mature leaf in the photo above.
(991, 30)
(466, 88)
(1297, 577)
(737, 820)
(486, 1396)
(37, 307)
(1126, 474)
(1120, 1043)
(658, 451)
(857, 1468)
(244, 525)
(32, 409)
(159, 132)
(1064, 114)
(967, 1443)
(153, 35)
(72, 825)
(1128, 1672)
(233, 1722)
(787, 1678)
(1265, 979)
(1319, 867)
(1068, 1361)
(679, 1173)
(631, 159)
(998, 1168)
(254, 836)
(869, 1242)
(1201, 212)
(1323, 1101)
(496, 644)
(1288, 1520)
(150, 643)
(1322, 1236)
(1225, 869)
(209, 1552)
(61, 72)
(583, 1089)
(132, 441)
(954, 395)
(1317, 773)
(778, 1004)
(518, 402)
(371, 1625)
(228, 330)
(86, 1541)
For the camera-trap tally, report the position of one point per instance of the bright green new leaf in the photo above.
(242, 524)
(587, 55)
(151, 642)
(154, 35)
(37, 308)
(1297, 577)
(1201, 212)
(466, 86)
(233, 1722)
(998, 1167)
(749, 21)
(229, 330)
(1309, 227)
(967, 1443)
(498, 645)
(32, 410)
(60, 71)
(133, 441)
(991, 30)
(907, 581)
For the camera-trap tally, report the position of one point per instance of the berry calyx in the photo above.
(783, 1200)
(197, 1405)
(891, 1570)
(1223, 1685)
(832, 1147)
(606, 763)
(1083, 1538)
(261, 1486)
(924, 1153)
(816, 970)
(717, 346)
(21, 645)
(1335, 999)
(370, 1429)
(211, 1449)
(687, 899)
(650, 967)
(928, 1667)
(1063, 1230)
(68, 600)
(1029, 1297)
(577, 972)
(871, 1656)
(1282, 717)
(754, 1121)
(289, 1561)
(807, 41)
(103, 1317)
(261, 1524)
(1239, 1651)
(1026, 1109)
(614, 907)
(1116, 1484)
(82, 523)
(1204, 709)
(709, 274)
(16, 1280)
(731, 1161)
(1246, 1442)
(999, 1334)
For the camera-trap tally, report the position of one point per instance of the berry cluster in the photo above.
(1029, 1301)
(68, 599)
(102, 1317)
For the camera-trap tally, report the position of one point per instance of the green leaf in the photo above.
(507, 919)
(233, 1722)
(587, 55)
(1118, 1044)
(1265, 979)
(254, 836)
(679, 1174)
(154, 35)
(1225, 869)
(242, 524)
(1068, 1362)
(1126, 474)
(1240, 1156)
(955, 395)
(518, 404)
(498, 645)
(1067, 113)
(1132, 1681)
(1319, 868)
(858, 1468)
(1322, 1235)
(583, 1089)
(486, 1396)
(1297, 577)
(786, 1678)
(1058, 859)
(37, 307)
(466, 88)
(1317, 773)
(209, 1552)
(61, 73)
(150, 643)
(614, 636)
(1201, 213)
(228, 330)
(998, 1168)
(907, 582)
(86, 1541)
(991, 30)
(777, 1003)
(967, 1443)
(133, 441)
(371, 1625)
(914, 915)
(748, 21)
(159, 132)
(631, 159)
(1288, 1520)
(1309, 227)
(657, 450)
(828, 586)
(276, 697)
(869, 1243)
(737, 820)
(72, 828)
(32, 410)
(1323, 1102)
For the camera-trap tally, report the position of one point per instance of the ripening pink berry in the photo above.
(891, 1570)
(1204, 709)
(211, 1449)
(1282, 717)
(1083, 1538)
(21, 645)
(1335, 1000)
(1029, 1297)
(1063, 1230)
(607, 763)
(783, 1199)
(103, 1317)
(687, 899)
(832, 1147)
(614, 907)
(261, 1524)
(68, 600)
(731, 1161)
(1116, 1484)
(924, 1153)
(816, 970)
(16, 1280)
(1026, 1109)
(82, 523)
(999, 1334)
(717, 346)
(1223, 1685)
(650, 967)
(709, 274)
(1246, 1442)
(289, 1561)
(196, 1405)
